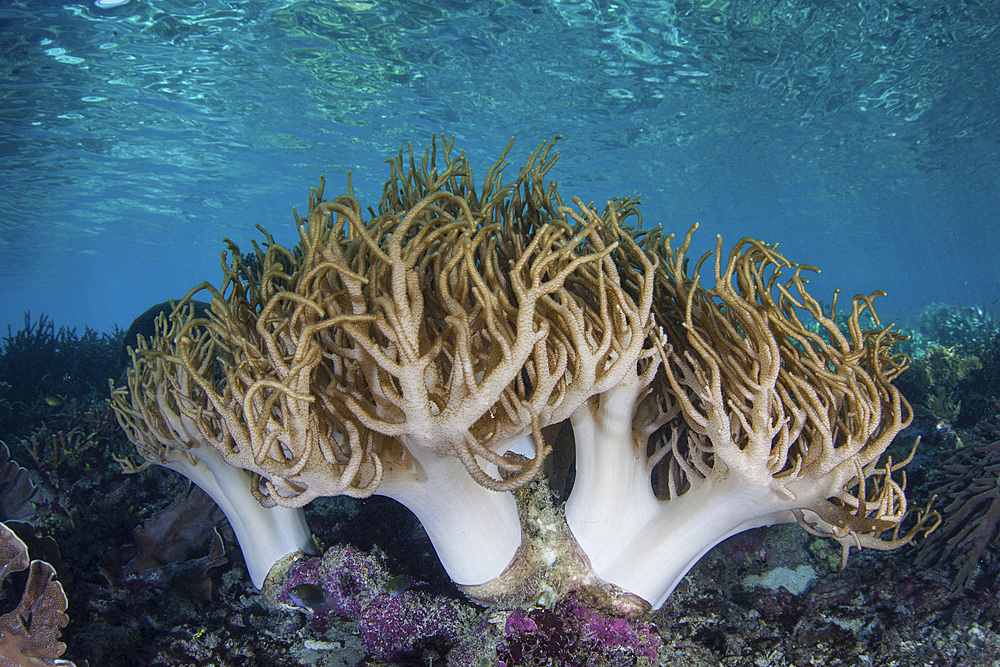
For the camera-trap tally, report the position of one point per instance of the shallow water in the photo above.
(861, 136)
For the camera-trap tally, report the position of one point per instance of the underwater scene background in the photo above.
(863, 137)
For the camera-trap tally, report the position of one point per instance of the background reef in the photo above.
(153, 575)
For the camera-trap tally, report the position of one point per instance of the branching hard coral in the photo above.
(939, 376)
(419, 351)
(954, 373)
(970, 486)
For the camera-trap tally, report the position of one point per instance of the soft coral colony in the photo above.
(430, 351)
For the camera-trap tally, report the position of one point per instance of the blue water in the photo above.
(862, 136)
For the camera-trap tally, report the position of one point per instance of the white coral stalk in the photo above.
(266, 535)
(167, 428)
(760, 420)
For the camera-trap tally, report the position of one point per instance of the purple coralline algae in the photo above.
(357, 586)
(394, 625)
(396, 621)
(573, 635)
